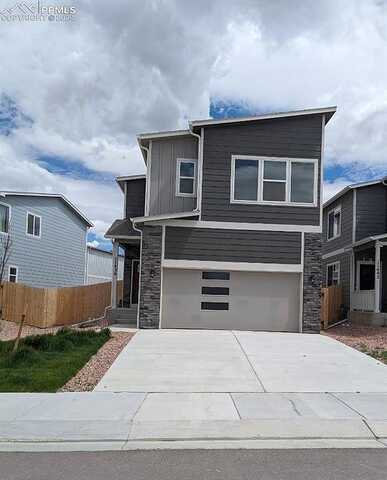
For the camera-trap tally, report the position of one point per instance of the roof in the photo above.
(98, 249)
(122, 229)
(166, 216)
(125, 178)
(327, 111)
(50, 195)
(353, 186)
(143, 137)
(371, 238)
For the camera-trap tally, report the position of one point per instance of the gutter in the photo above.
(200, 165)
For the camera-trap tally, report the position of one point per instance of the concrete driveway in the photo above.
(198, 361)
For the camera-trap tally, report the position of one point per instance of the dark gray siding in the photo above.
(345, 239)
(297, 137)
(135, 198)
(345, 276)
(209, 244)
(165, 153)
(371, 211)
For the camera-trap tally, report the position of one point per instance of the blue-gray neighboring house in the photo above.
(49, 239)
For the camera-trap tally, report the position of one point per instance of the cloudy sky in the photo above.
(73, 95)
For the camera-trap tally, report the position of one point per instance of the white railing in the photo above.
(363, 300)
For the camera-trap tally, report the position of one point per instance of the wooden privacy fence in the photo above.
(48, 307)
(331, 299)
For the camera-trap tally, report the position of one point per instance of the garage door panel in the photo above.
(257, 301)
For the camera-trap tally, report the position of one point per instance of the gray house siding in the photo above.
(209, 244)
(135, 198)
(371, 211)
(164, 155)
(290, 137)
(345, 274)
(345, 238)
(57, 258)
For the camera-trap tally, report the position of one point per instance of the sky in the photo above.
(73, 95)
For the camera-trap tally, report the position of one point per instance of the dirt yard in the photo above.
(370, 340)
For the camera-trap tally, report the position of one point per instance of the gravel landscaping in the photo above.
(8, 330)
(88, 377)
(370, 340)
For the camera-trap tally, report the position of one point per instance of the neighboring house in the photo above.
(48, 239)
(355, 249)
(99, 265)
(224, 231)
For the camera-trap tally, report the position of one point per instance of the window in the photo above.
(33, 225)
(281, 181)
(215, 291)
(214, 306)
(4, 218)
(185, 177)
(334, 223)
(366, 275)
(216, 275)
(12, 274)
(333, 274)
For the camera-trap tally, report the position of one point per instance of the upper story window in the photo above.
(33, 225)
(334, 223)
(5, 212)
(186, 177)
(333, 274)
(273, 181)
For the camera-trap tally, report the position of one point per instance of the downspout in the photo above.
(200, 167)
(147, 186)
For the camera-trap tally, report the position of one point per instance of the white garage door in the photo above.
(230, 300)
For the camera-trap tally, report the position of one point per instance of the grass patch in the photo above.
(44, 363)
(378, 353)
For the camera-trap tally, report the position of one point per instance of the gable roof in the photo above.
(61, 197)
(352, 187)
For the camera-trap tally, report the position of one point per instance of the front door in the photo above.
(135, 281)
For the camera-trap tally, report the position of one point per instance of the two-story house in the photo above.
(49, 239)
(224, 230)
(354, 249)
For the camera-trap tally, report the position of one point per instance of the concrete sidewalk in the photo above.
(110, 421)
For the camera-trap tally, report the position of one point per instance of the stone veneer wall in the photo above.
(150, 277)
(312, 283)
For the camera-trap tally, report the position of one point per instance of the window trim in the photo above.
(179, 161)
(334, 210)
(288, 183)
(40, 225)
(9, 217)
(338, 273)
(17, 273)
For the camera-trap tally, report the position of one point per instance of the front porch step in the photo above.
(123, 316)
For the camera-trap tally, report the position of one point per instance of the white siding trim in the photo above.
(339, 251)
(162, 273)
(322, 153)
(354, 206)
(33, 225)
(9, 273)
(200, 173)
(334, 211)
(338, 263)
(179, 161)
(301, 307)
(235, 266)
(240, 226)
(148, 179)
(9, 217)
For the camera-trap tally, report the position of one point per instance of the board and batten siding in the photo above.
(100, 264)
(298, 137)
(164, 155)
(58, 257)
(371, 211)
(209, 244)
(345, 238)
(135, 198)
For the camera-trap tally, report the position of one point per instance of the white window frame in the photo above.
(40, 228)
(337, 265)
(338, 233)
(9, 217)
(287, 182)
(178, 177)
(9, 273)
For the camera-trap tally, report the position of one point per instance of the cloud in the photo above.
(127, 67)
